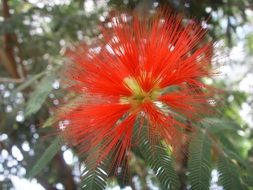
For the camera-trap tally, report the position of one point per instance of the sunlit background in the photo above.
(38, 33)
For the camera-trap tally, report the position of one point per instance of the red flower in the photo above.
(148, 70)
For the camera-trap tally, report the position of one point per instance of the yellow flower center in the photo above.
(139, 96)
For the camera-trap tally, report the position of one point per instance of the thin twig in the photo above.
(11, 80)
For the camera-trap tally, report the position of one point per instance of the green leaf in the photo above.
(161, 163)
(216, 125)
(229, 174)
(248, 180)
(229, 150)
(200, 161)
(46, 157)
(39, 95)
(220, 129)
(94, 174)
(49, 122)
(29, 82)
(226, 143)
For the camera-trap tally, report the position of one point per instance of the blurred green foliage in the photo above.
(33, 38)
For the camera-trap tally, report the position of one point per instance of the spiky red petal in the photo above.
(148, 69)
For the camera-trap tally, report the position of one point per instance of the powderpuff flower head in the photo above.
(141, 74)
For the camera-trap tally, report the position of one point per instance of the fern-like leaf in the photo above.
(39, 95)
(218, 126)
(160, 162)
(46, 157)
(248, 180)
(94, 178)
(199, 163)
(229, 174)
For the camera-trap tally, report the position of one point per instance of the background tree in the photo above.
(33, 38)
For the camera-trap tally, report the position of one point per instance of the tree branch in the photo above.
(8, 57)
(66, 173)
(11, 80)
(182, 159)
